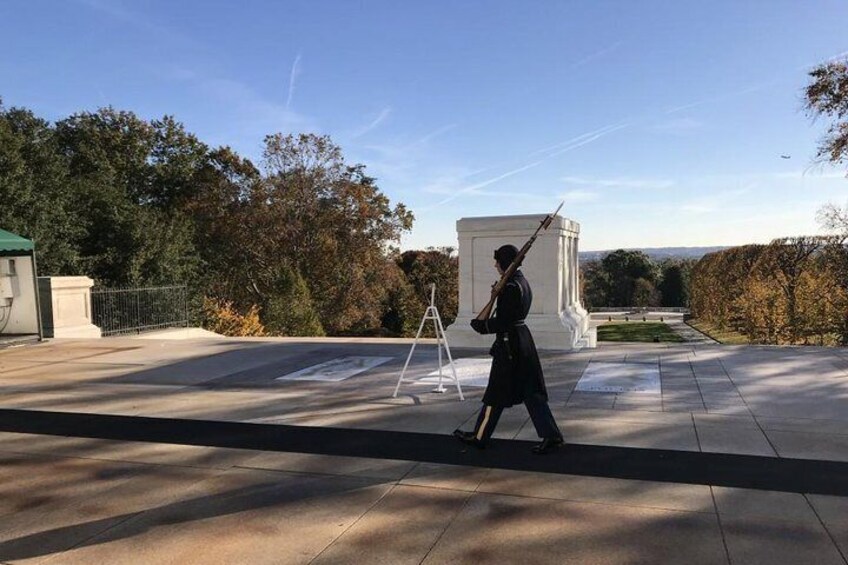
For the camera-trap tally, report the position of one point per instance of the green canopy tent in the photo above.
(12, 245)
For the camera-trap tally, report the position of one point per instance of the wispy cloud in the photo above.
(578, 196)
(751, 88)
(715, 201)
(552, 151)
(379, 119)
(588, 140)
(119, 11)
(474, 187)
(619, 182)
(597, 54)
(579, 140)
(808, 173)
(832, 59)
(247, 114)
(436, 133)
(295, 70)
(722, 97)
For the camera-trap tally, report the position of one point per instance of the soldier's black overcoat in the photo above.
(516, 370)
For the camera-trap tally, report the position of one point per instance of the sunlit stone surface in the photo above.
(620, 377)
(557, 319)
(473, 371)
(336, 369)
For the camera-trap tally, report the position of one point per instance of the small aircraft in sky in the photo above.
(786, 156)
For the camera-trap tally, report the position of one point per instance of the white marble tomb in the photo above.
(557, 319)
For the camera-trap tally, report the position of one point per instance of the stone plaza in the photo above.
(127, 450)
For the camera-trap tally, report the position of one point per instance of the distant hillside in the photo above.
(658, 253)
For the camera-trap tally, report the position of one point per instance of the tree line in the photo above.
(791, 291)
(630, 278)
(302, 243)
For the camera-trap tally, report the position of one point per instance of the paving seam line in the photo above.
(371, 507)
(355, 522)
(447, 527)
(826, 529)
(751, 412)
(720, 527)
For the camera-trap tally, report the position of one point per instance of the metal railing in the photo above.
(640, 309)
(134, 310)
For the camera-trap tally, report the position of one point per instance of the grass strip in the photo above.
(646, 332)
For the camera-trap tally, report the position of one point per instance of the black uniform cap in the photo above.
(505, 255)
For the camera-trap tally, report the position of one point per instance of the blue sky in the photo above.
(659, 123)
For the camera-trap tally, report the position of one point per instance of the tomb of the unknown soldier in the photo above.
(423, 283)
(557, 319)
(266, 450)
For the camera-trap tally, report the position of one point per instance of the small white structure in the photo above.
(557, 319)
(18, 296)
(66, 307)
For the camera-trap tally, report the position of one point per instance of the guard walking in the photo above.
(516, 374)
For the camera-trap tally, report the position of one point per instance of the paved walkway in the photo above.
(74, 498)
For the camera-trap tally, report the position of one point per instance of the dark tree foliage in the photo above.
(438, 266)
(595, 284)
(129, 177)
(305, 242)
(674, 282)
(38, 201)
(623, 268)
(630, 278)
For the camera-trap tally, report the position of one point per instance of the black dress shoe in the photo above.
(469, 438)
(548, 444)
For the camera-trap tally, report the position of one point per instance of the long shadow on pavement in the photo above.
(717, 469)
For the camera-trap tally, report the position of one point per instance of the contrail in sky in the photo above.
(557, 149)
(292, 77)
(598, 132)
(588, 139)
(484, 183)
(374, 123)
(591, 57)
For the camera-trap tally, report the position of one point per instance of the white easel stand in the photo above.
(432, 313)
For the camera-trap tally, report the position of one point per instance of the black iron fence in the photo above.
(134, 310)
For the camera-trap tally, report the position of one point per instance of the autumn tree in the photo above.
(718, 283)
(827, 96)
(793, 291)
(834, 219)
(438, 266)
(303, 245)
(332, 223)
(594, 284)
(833, 266)
(785, 261)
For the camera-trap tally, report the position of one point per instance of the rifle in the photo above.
(486, 312)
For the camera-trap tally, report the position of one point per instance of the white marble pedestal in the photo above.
(66, 307)
(556, 318)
